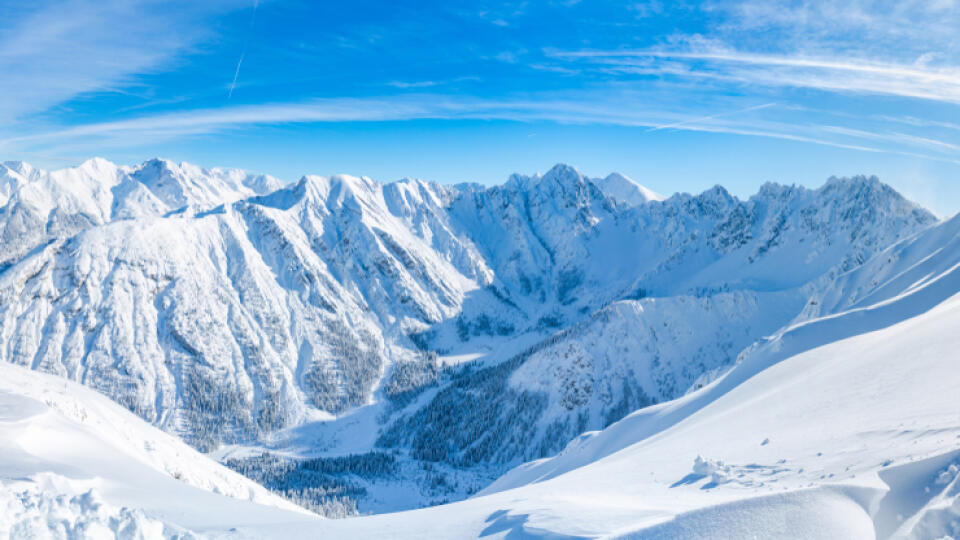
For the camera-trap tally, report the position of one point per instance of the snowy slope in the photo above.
(76, 465)
(846, 426)
(916, 314)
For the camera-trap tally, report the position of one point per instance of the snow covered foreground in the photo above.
(76, 465)
(845, 426)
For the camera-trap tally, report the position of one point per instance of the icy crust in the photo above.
(804, 400)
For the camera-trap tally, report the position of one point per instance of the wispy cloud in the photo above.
(702, 119)
(897, 138)
(211, 120)
(51, 52)
(414, 84)
(721, 74)
(940, 84)
(581, 108)
(921, 122)
(408, 85)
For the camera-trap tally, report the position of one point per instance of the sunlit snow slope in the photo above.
(73, 464)
(846, 426)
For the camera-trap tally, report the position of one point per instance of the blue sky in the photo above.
(677, 95)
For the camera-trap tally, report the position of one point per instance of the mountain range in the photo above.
(365, 347)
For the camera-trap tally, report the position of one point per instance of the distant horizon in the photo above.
(506, 178)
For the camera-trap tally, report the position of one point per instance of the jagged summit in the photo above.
(562, 173)
(40, 205)
(187, 184)
(568, 180)
(856, 180)
(19, 166)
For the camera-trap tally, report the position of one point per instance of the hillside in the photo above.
(76, 465)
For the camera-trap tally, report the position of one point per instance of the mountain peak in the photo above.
(624, 189)
(339, 181)
(19, 167)
(863, 186)
(564, 174)
(158, 164)
(334, 190)
(100, 171)
(560, 174)
(717, 192)
(855, 181)
(862, 193)
(564, 171)
(97, 163)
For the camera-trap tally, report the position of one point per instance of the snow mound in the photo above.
(32, 512)
(716, 470)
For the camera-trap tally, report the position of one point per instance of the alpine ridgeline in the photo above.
(460, 328)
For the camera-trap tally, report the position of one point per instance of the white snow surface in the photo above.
(73, 464)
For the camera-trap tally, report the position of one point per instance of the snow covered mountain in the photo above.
(37, 206)
(835, 426)
(843, 426)
(459, 331)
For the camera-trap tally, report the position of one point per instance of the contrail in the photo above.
(235, 75)
(246, 41)
(712, 116)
